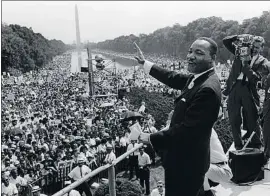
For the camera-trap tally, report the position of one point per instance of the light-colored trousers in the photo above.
(217, 173)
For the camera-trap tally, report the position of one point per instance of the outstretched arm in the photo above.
(172, 79)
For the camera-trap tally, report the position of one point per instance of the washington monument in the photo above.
(78, 37)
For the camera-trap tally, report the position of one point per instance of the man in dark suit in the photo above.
(185, 146)
(241, 87)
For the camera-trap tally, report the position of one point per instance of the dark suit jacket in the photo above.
(256, 73)
(187, 142)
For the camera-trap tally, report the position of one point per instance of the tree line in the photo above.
(24, 50)
(175, 40)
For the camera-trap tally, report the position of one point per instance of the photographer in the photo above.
(248, 70)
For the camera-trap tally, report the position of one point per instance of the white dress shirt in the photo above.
(79, 172)
(155, 192)
(110, 157)
(198, 75)
(130, 146)
(123, 142)
(9, 190)
(216, 150)
(19, 180)
(143, 159)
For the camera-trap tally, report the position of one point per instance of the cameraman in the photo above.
(248, 70)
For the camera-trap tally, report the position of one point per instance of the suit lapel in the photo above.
(256, 63)
(197, 82)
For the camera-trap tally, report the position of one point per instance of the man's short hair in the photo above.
(259, 39)
(213, 45)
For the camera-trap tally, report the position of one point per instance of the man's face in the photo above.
(14, 123)
(80, 163)
(7, 163)
(257, 48)
(6, 181)
(109, 150)
(198, 57)
(160, 187)
(46, 157)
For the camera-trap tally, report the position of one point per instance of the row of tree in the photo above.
(23, 50)
(177, 39)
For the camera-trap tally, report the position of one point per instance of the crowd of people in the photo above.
(48, 119)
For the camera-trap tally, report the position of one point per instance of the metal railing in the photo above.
(111, 174)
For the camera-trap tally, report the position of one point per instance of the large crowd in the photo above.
(48, 118)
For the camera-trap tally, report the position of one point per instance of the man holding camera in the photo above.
(248, 70)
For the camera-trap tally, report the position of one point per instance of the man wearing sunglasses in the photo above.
(160, 190)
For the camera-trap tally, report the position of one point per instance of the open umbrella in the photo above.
(129, 115)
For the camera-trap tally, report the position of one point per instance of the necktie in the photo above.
(81, 171)
(133, 147)
(188, 81)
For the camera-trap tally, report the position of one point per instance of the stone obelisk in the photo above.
(78, 37)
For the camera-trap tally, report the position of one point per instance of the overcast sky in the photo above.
(107, 20)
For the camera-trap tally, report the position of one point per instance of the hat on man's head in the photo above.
(109, 146)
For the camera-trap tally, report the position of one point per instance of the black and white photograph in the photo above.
(135, 98)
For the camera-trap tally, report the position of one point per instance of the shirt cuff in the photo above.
(147, 66)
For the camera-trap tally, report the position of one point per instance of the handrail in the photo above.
(96, 171)
(79, 182)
